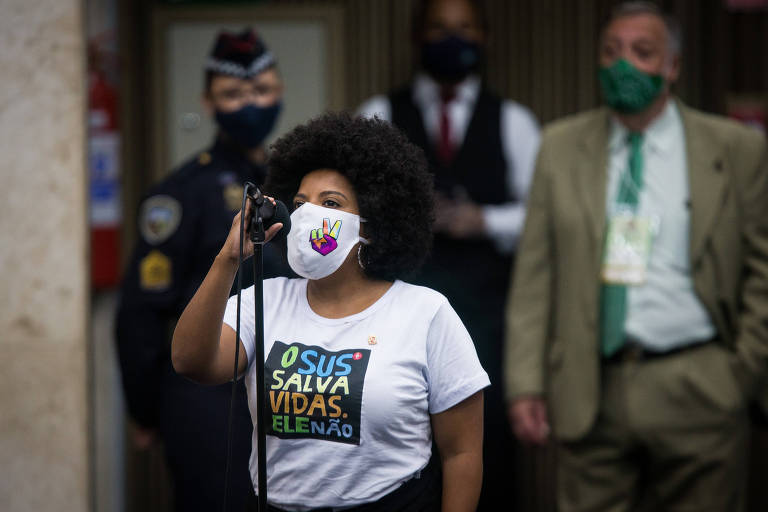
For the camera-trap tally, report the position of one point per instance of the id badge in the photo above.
(628, 248)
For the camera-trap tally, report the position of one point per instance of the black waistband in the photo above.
(632, 352)
(422, 493)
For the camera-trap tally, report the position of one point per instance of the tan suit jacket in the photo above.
(552, 337)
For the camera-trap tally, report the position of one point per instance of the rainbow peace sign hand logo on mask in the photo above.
(324, 241)
(328, 246)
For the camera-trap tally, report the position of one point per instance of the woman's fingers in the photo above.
(233, 240)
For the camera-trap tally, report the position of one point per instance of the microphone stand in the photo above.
(257, 236)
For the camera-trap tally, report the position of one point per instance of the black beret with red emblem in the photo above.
(243, 55)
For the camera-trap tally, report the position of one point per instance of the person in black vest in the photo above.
(183, 222)
(482, 151)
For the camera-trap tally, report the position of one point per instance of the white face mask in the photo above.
(320, 239)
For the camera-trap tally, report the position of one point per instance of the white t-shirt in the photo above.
(348, 414)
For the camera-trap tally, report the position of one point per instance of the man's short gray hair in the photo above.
(674, 30)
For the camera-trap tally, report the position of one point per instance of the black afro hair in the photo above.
(388, 173)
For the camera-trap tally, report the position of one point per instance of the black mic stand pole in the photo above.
(257, 236)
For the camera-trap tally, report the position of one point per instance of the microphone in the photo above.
(268, 213)
(280, 215)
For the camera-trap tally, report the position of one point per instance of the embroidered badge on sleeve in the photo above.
(159, 218)
(155, 272)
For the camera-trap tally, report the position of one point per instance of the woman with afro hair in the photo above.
(363, 371)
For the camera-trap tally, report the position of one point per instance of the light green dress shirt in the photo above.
(664, 313)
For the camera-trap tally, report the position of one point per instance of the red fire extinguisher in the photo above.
(104, 163)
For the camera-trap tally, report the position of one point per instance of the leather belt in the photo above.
(633, 352)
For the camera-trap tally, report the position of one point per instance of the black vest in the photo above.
(471, 273)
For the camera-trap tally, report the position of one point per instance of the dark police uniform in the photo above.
(183, 224)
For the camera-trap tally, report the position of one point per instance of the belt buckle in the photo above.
(633, 353)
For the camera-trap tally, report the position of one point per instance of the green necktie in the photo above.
(613, 297)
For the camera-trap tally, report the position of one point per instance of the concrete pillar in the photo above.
(44, 309)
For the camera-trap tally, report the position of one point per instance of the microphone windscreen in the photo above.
(281, 215)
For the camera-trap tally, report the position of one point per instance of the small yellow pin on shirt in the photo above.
(372, 340)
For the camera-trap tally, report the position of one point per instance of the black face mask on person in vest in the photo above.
(451, 58)
(250, 125)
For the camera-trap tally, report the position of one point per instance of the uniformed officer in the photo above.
(183, 223)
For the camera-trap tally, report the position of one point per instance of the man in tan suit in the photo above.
(638, 320)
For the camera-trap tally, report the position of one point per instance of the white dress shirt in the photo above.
(663, 313)
(519, 135)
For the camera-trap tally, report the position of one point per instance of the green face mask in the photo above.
(628, 90)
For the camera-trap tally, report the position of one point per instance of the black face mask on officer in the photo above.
(250, 125)
(451, 58)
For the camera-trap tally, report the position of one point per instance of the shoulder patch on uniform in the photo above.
(204, 158)
(159, 218)
(155, 272)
